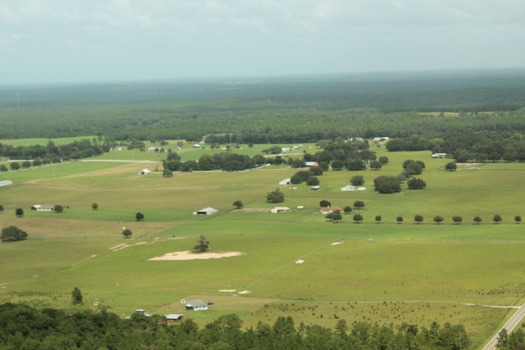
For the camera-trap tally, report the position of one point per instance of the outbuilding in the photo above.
(277, 210)
(206, 211)
(172, 318)
(196, 305)
(44, 207)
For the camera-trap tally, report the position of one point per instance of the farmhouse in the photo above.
(277, 210)
(44, 207)
(153, 149)
(328, 210)
(172, 318)
(196, 305)
(206, 211)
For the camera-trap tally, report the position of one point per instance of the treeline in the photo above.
(272, 111)
(478, 147)
(52, 153)
(219, 161)
(23, 327)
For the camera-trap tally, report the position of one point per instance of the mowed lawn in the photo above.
(293, 263)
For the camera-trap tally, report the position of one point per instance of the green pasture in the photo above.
(385, 272)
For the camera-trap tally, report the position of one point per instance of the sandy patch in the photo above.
(244, 292)
(336, 243)
(299, 262)
(227, 290)
(187, 255)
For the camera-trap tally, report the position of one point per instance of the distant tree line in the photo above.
(483, 146)
(219, 161)
(52, 153)
(25, 327)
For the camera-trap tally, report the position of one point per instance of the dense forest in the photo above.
(278, 110)
(24, 327)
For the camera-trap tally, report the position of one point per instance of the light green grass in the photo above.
(408, 272)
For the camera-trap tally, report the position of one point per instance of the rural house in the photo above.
(172, 318)
(44, 207)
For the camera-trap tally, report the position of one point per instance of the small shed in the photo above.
(172, 318)
(310, 164)
(196, 305)
(144, 172)
(43, 207)
(277, 210)
(6, 183)
(285, 182)
(206, 211)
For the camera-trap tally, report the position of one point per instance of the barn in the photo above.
(206, 211)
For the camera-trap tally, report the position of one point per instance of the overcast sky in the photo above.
(106, 40)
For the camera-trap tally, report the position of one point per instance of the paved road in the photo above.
(509, 326)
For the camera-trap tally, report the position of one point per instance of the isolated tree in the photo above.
(358, 218)
(1, 208)
(477, 219)
(438, 219)
(451, 166)
(76, 296)
(19, 212)
(275, 197)
(139, 216)
(517, 219)
(416, 184)
(399, 219)
(378, 219)
(324, 203)
(202, 246)
(126, 232)
(14, 166)
(457, 219)
(383, 160)
(357, 180)
(94, 206)
(167, 173)
(12, 234)
(3, 168)
(58, 208)
(347, 209)
(334, 216)
(376, 165)
(414, 169)
(387, 184)
(295, 179)
(238, 204)
(312, 181)
(418, 218)
(359, 205)
(497, 219)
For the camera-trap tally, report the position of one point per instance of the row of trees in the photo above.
(25, 327)
(418, 219)
(37, 155)
(219, 161)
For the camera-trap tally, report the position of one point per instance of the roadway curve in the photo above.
(509, 326)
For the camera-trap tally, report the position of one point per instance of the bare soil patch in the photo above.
(187, 255)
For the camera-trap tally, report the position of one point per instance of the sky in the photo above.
(63, 41)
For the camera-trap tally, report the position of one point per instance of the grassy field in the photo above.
(293, 263)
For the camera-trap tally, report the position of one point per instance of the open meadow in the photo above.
(294, 263)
